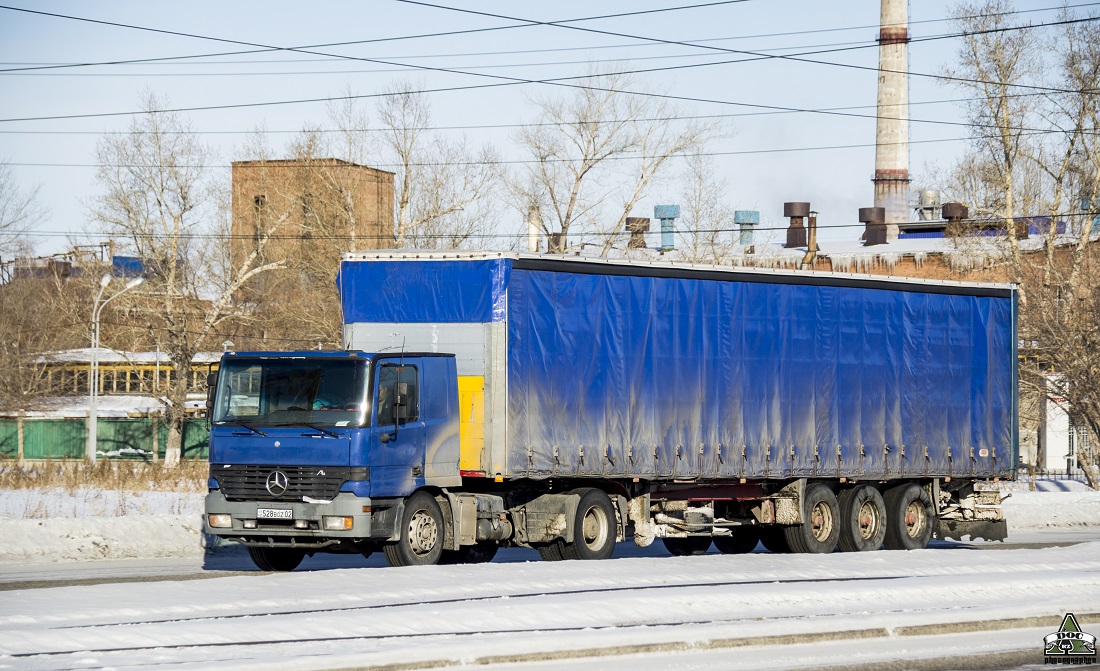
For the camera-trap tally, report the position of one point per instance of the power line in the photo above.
(767, 56)
(174, 60)
(560, 81)
(267, 48)
(577, 234)
(299, 164)
(540, 124)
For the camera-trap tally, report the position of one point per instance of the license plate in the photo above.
(274, 514)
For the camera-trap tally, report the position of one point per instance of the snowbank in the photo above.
(82, 525)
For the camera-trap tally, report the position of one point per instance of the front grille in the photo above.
(249, 482)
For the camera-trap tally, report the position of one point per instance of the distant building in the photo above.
(323, 202)
(128, 373)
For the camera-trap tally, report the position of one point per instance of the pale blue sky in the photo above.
(835, 181)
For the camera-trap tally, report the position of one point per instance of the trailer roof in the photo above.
(658, 268)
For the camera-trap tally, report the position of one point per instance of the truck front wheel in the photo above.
(276, 559)
(820, 528)
(421, 542)
(862, 519)
(909, 517)
(593, 527)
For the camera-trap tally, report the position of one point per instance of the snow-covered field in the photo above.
(953, 606)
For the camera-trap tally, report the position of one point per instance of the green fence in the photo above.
(130, 438)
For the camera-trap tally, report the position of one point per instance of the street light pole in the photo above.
(93, 373)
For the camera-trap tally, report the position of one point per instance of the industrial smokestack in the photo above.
(892, 132)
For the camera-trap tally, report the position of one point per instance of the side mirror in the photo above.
(211, 389)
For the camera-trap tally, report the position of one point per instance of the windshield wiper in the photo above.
(319, 429)
(240, 423)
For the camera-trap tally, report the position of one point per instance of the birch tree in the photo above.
(159, 200)
(442, 186)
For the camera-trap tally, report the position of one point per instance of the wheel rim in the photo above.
(594, 528)
(821, 521)
(423, 533)
(915, 519)
(868, 520)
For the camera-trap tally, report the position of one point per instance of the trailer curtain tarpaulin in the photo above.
(788, 379)
(659, 371)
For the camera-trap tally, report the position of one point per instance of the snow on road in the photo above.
(644, 608)
(452, 614)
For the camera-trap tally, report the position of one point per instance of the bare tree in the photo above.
(706, 221)
(574, 138)
(20, 211)
(158, 199)
(595, 153)
(442, 186)
(1035, 158)
(992, 59)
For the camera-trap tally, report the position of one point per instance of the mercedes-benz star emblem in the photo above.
(277, 483)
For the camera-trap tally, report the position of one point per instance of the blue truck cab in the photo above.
(316, 450)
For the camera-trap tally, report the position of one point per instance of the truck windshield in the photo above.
(266, 392)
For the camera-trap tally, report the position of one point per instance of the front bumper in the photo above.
(305, 525)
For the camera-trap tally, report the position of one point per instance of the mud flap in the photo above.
(990, 530)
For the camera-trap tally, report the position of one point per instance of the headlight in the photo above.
(220, 521)
(338, 523)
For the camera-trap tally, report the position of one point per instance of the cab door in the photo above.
(397, 434)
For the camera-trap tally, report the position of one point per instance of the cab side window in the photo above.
(388, 376)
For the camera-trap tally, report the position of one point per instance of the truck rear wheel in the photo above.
(685, 547)
(480, 553)
(820, 528)
(550, 551)
(862, 519)
(421, 542)
(276, 559)
(742, 540)
(909, 517)
(593, 527)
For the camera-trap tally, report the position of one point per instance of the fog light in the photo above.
(301, 524)
(249, 524)
(221, 521)
(338, 523)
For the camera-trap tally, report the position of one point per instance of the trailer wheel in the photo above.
(480, 553)
(862, 519)
(688, 546)
(276, 559)
(820, 528)
(774, 540)
(593, 527)
(909, 518)
(421, 542)
(742, 540)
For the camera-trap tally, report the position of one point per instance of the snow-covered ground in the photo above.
(641, 610)
(89, 524)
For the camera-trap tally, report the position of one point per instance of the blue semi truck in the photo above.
(487, 400)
